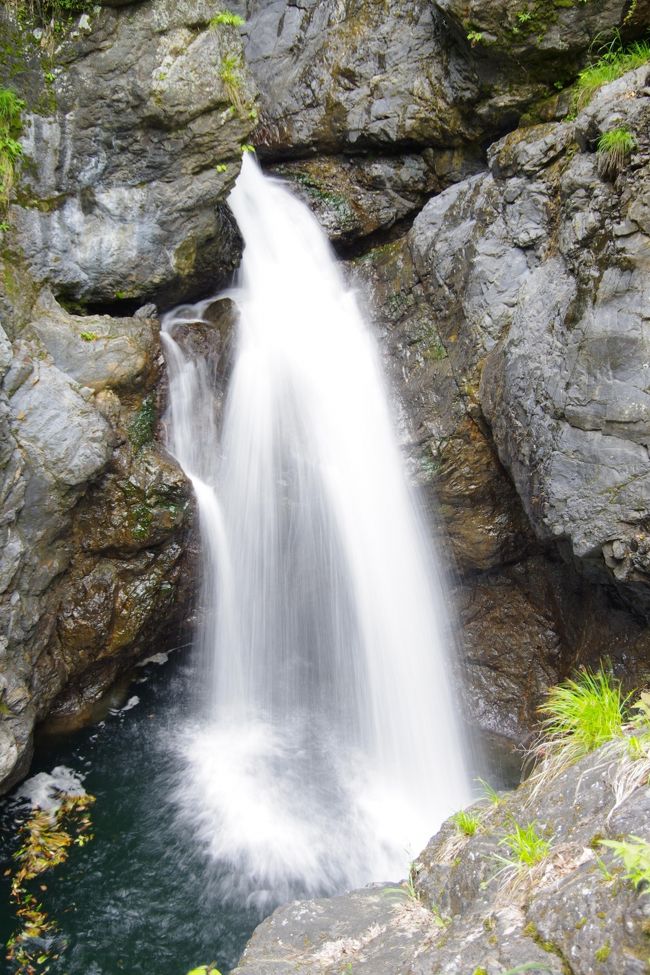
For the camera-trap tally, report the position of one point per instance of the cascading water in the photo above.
(326, 751)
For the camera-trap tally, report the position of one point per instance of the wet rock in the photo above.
(375, 931)
(353, 197)
(464, 913)
(97, 351)
(92, 515)
(442, 298)
(133, 154)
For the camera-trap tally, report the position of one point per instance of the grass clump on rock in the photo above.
(525, 846)
(613, 149)
(588, 712)
(583, 713)
(613, 63)
(467, 823)
(227, 19)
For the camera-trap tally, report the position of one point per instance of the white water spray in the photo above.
(331, 752)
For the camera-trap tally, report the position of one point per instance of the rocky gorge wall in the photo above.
(506, 272)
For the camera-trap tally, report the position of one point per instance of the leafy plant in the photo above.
(230, 70)
(88, 336)
(205, 970)
(613, 62)
(466, 822)
(634, 853)
(11, 107)
(525, 846)
(227, 19)
(247, 147)
(474, 37)
(613, 148)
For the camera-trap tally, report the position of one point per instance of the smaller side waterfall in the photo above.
(327, 750)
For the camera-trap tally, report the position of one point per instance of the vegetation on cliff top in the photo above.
(613, 62)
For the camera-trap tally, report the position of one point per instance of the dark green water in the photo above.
(139, 898)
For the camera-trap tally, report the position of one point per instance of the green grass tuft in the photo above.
(525, 846)
(613, 63)
(467, 823)
(614, 147)
(583, 713)
(227, 19)
(490, 793)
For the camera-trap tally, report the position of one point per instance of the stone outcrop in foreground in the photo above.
(93, 514)
(572, 913)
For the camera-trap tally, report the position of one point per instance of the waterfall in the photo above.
(325, 751)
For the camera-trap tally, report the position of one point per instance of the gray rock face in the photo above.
(541, 30)
(350, 76)
(91, 514)
(124, 193)
(355, 75)
(354, 197)
(465, 911)
(538, 281)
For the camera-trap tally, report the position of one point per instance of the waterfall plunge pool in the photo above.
(140, 897)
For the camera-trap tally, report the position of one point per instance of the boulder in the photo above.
(465, 909)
